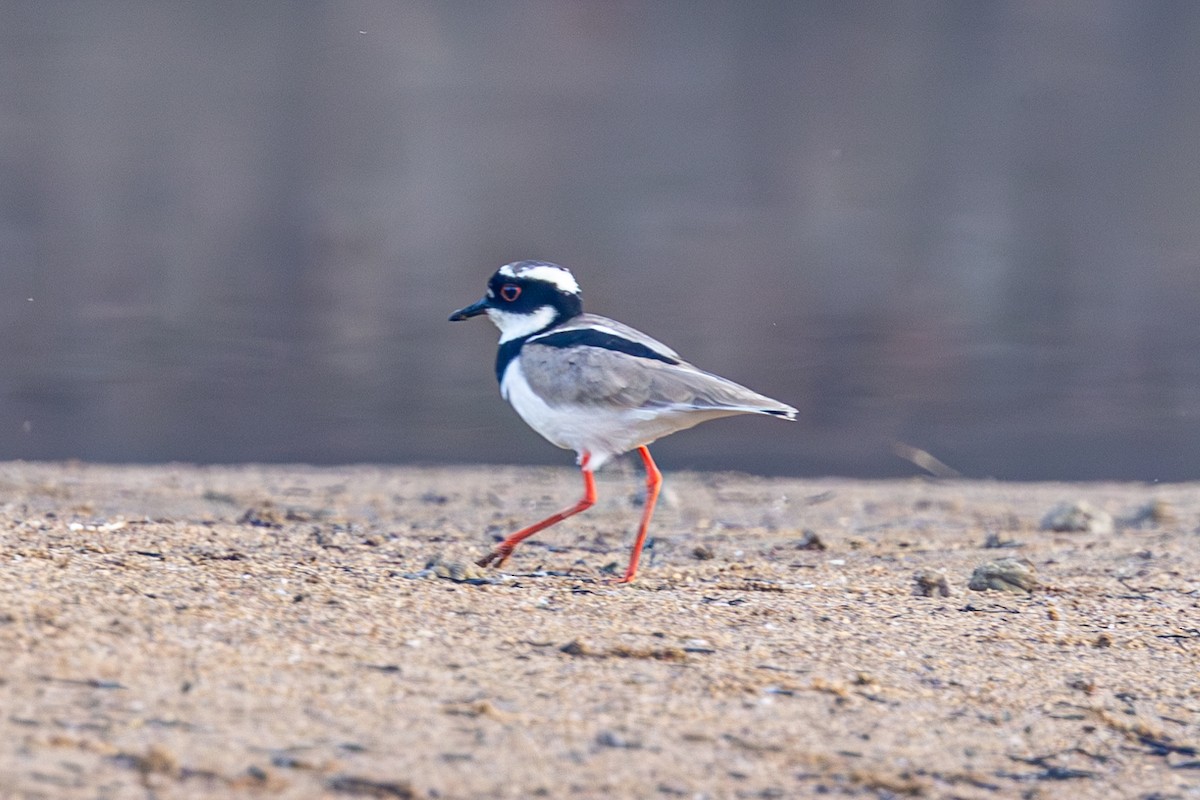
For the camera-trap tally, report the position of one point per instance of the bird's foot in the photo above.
(496, 558)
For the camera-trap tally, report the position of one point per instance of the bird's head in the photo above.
(526, 297)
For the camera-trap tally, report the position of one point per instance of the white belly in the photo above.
(601, 432)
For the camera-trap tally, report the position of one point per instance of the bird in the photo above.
(594, 385)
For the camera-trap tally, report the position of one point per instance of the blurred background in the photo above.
(233, 231)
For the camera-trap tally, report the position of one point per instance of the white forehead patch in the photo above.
(553, 274)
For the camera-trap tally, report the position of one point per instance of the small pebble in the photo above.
(1083, 683)
(576, 648)
(993, 541)
(810, 541)
(930, 583)
(614, 739)
(457, 571)
(264, 516)
(1156, 513)
(1016, 575)
(1080, 516)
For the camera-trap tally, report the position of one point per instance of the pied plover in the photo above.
(593, 385)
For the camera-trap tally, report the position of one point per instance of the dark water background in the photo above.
(232, 231)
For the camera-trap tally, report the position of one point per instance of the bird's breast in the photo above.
(554, 424)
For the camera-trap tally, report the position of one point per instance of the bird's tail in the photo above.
(783, 412)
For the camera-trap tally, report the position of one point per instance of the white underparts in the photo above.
(600, 431)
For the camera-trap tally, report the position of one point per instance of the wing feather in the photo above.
(605, 378)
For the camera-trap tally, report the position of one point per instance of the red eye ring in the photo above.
(510, 292)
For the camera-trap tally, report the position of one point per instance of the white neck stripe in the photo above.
(514, 326)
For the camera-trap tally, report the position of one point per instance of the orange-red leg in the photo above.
(653, 484)
(505, 548)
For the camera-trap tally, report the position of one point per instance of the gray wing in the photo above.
(600, 377)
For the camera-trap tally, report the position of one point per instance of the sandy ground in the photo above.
(275, 632)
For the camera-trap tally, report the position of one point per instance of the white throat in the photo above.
(514, 326)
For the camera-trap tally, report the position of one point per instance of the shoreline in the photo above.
(295, 631)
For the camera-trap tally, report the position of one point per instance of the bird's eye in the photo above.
(510, 292)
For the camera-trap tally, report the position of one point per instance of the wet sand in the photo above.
(174, 632)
